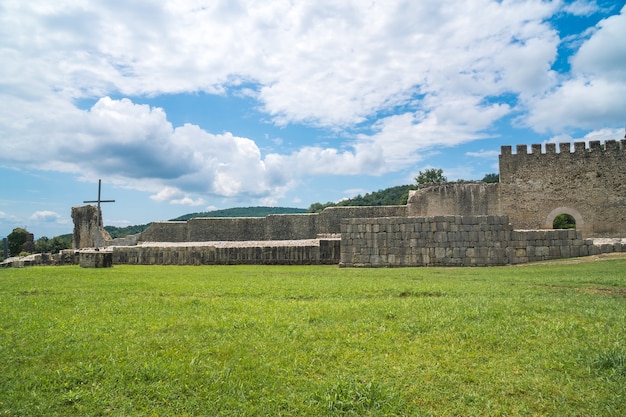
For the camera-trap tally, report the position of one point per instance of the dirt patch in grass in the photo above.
(615, 292)
(405, 294)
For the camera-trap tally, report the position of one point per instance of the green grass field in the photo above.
(310, 341)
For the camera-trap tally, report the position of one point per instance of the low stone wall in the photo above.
(456, 241)
(306, 252)
(95, 259)
(272, 227)
(65, 257)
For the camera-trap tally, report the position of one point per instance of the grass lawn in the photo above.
(544, 339)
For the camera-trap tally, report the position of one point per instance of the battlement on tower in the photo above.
(565, 148)
(543, 162)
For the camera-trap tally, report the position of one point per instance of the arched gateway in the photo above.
(578, 218)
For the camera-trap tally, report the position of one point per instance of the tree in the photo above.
(430, 176)
(58, 243)
(491, 178)
(54, 245)
(42, 245)
(319, 207)
(564, 221)
(16, 239)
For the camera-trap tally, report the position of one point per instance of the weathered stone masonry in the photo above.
(465, 224)
(272, 227)
(587, 183)
(303, 252)
(455, 241)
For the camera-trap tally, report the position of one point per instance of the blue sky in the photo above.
(194, 105)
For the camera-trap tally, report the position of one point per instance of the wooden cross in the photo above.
(99, 200)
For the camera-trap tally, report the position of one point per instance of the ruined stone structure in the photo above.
(588, 184)
(465, 224)
(324, 251)
(272, 227)
(88, 223)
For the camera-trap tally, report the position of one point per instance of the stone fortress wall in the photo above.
(466, 223)
(588, 183)
(284, 239)
(272, 227)
(457, 241)
(452, 224)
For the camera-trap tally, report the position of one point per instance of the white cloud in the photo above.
(597, 135)
(604, 54)
(581, 8)
(46, 216)
(414, 76)
(453, 120)
(484, 154)
(186, 201)
(324, 62)
(595, 95)
(176, 196)
(581, 103)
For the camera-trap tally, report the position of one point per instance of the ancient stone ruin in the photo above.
(88, 227)
(89, 233)
(588, 184)
(461, 224)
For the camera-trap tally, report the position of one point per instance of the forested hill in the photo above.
(243, 212)
(394, 196)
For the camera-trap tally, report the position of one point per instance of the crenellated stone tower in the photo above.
(587, 183)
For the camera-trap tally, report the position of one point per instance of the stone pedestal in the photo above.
(96, 259)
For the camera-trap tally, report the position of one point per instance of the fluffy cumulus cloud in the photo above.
(595, 93)
(396, 77)
(45, 216)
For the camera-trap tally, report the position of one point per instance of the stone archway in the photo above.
(564, 210)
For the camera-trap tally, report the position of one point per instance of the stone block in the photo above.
(96, 259)
(593, 250)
